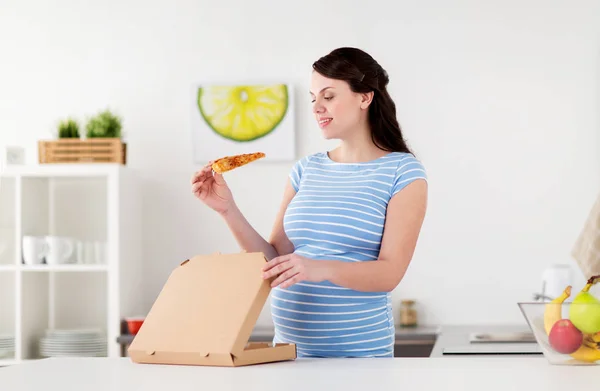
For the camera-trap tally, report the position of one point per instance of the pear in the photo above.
(584, 312)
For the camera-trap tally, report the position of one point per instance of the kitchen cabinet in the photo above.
(415, 341)
(414, 348)
(97, 207)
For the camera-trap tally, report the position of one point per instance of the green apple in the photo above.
(584, 312)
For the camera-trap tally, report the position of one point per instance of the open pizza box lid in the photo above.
(205, 313)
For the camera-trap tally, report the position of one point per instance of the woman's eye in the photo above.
(325, 97)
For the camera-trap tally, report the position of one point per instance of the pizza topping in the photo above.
(229, 163)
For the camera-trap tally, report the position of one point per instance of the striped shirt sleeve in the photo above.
(409, 170)
(297, 171)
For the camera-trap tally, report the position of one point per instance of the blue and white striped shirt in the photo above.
(338, 213)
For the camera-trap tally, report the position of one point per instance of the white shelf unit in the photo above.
(86, 202)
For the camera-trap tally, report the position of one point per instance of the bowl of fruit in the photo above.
(568, 332)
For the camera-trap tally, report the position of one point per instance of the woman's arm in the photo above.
(251, 241)
(404, 218)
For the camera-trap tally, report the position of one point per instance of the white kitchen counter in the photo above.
(464, 374)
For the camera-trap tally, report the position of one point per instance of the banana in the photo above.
(589, 343)
(586, 354)
(553, 311)
(588, 340)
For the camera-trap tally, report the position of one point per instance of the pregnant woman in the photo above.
(349, 220)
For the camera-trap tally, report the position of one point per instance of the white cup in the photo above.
(554, 280)
(85, 252)
(60, 249)
(100, 252)
(35, 249)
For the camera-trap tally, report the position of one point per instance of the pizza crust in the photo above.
(228, 163)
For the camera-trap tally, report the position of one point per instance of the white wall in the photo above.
(498, 98)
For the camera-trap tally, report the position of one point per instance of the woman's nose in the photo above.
(318, 108)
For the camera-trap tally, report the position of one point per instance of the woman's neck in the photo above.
(357, 149)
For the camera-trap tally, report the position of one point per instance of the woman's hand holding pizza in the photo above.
(212, 189)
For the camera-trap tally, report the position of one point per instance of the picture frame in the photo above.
(237, 117)
(12, 155)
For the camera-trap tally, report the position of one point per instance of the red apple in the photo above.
(564, 337)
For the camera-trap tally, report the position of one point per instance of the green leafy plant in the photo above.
(68, 128)
(104, 124)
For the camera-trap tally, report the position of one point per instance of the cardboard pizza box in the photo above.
(205, 313)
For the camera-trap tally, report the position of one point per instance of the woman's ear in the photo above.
(366, 99)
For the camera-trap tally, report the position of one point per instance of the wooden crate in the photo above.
(94, 150)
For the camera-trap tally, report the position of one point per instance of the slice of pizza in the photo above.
(228, 163)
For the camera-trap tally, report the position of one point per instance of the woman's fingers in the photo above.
(203, 173)
(202, 180)
(277, 269)
(291, 281)
(198, 176)
(284, 277)
(200, 189)
(196, 187)
(276, 261)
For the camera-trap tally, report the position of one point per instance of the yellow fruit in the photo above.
(589, 351)
(243, 113)
(586, 354)
(553, 310)
(589, 341)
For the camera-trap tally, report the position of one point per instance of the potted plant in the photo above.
(104, 125)
(105, 130)
(68, 128)
(102, 143)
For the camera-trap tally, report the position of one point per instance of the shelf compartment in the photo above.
(8, 326)
(61, 301)
(65, 206)
(8, 216)
(73, 208)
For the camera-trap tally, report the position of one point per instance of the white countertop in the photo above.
(464, 374)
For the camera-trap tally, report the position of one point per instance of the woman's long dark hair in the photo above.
(364, 74)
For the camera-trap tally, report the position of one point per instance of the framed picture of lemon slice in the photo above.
(230, 119)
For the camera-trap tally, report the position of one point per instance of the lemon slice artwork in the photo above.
(243, 112)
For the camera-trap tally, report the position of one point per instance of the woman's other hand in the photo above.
(293, 268)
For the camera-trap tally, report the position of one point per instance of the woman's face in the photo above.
(336, 107)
